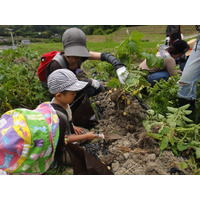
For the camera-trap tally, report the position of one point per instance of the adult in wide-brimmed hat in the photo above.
(191, 43)
(74, 43)
(75, 53)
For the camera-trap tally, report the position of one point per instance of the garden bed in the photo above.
(135, 153)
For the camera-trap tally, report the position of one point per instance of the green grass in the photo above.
(102, 46)
(42, 48)
(45, 47)
(153, 35)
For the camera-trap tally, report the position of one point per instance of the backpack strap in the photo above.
(59, 58)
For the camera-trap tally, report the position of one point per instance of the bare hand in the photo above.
(78, 130)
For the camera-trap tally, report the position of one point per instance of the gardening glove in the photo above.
(96, 84)
(122, 74)
(167, 41)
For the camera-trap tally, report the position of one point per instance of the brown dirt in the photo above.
(135, 153)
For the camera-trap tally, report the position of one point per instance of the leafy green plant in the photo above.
(175, 131)
(134, 83)
(19, 84)
(130, 47)
(153, 61)
(104, 71)
(163, 95)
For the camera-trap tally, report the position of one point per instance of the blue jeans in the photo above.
(182, 65)
(152, 78)
(190, 75)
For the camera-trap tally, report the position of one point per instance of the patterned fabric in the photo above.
(2, 172)
(28, 139)
(163, 54)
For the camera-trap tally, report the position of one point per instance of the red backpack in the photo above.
(45, 60)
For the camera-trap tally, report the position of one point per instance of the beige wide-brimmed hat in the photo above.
(191, 44)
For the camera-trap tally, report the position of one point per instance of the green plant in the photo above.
(20, 86)
(104, 71)
(163, 95)
(153, 61)
(130, 47)
(177, 132)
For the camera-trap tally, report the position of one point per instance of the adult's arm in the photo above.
(169, 65)
(94, 56)
(106, 57)
(119, 66)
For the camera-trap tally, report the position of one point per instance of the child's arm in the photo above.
(75, 138)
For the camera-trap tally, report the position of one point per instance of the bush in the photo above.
(99, 31)
(20, 86)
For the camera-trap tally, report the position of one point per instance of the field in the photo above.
(156, 135)
(153, 35)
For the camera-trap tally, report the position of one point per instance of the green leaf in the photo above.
(161, 117)
(114, 83)
(150, 112)
(164, 130)
(181, 146)
(187, 119)
(171, 138)
(171, 122)
(148, 127)
(155, 136)
(183, 165)
(197, 153)
(195, 143)
(171, 109)
(139, 95)
(185, 107)
(179, 122)
(187, 112)
(131, 80)
(132, 46)
(164, 143)
(174, 149)
(151, 61)
(160, 62)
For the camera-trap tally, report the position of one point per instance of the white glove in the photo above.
(95, 83)
(167, 40)
(122, 74)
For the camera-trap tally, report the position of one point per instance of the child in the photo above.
(32, 141)
(63, 84)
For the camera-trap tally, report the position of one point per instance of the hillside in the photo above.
(152, 33)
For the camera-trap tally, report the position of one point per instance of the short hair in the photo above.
(178, 47)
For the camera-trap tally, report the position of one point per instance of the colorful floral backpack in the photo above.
(28, 139)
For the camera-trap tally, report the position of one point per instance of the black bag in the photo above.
(84, 163)
(83, 114)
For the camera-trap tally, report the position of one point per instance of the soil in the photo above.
(134, 153)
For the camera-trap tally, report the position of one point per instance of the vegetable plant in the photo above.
(19, 84)
(175, 131)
